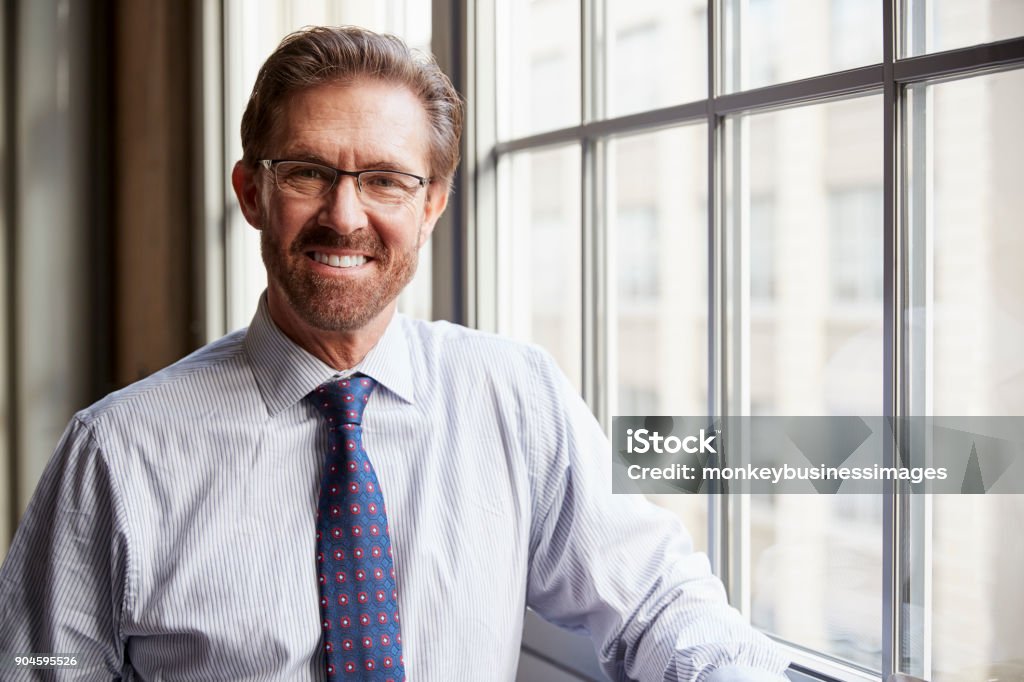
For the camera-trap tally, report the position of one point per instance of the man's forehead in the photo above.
(379, 116)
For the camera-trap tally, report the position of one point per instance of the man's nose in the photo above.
(343, 208)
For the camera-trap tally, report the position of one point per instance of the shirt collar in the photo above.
(285, 372)
(389, 362)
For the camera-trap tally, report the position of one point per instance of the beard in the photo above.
(327, 303)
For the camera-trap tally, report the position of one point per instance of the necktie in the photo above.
(358, 595)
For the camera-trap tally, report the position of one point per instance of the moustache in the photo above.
(365, 241)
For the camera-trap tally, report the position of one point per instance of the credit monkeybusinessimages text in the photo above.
(875, 472)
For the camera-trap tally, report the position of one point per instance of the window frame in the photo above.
(478, 187)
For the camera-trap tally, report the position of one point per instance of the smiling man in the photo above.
(339, 491)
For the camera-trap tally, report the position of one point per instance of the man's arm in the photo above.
(62, 584)
(623, 570)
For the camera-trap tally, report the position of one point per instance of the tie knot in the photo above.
(342, 401)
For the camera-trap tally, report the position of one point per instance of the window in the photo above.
(815, 569)
(654, 58)
(966, 326)
(637, 252)
(854, 24)
(816, 214)
(539, 275)
(762, 249)
(540, 71)
(633, 48)
(937, 25)
(855, 253)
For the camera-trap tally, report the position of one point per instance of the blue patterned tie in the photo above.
(358, 594)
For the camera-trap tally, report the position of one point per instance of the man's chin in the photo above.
(330, 318)
(328, 305)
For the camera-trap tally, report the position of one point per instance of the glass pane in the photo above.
(656, 54)
(657, 260)
(540, 252)
(538, 65)
(657, 267)
(937, 25)
(773, 41)
(252, 31)
(966, 333)
(805, 254)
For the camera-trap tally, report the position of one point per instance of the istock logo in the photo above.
(642, 441)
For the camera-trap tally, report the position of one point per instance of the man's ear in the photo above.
(437, 201)
(245, 181)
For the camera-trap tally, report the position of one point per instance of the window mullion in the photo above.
(596, 328)
(894, 511)
(718, 505)
(597, 386)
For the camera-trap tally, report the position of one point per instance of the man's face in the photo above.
(334, 262)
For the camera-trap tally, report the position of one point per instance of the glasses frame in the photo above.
(271, 165)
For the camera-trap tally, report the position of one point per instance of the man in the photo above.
(339, 491)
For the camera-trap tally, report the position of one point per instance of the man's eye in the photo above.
(308, 173)
(382, 182)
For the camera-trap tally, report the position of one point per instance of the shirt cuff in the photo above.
(741, 673)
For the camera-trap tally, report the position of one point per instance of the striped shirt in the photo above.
(172, 535)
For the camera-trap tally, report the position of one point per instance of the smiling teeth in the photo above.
(338, 261)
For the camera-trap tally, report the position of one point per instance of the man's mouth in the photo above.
(336, 261)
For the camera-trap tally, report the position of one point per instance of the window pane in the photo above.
(540, 252)
(656, 54)
(657, 264)
(966, 333)
(805, 227)
(657, 259)
(937, 25)
(773, 41)
(538, 65)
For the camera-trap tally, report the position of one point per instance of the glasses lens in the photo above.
(385, 187)
(306, 179)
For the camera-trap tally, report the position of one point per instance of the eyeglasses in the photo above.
(313, 180)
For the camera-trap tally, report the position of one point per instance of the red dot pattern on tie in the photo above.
(356, 572)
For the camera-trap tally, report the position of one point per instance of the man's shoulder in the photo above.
(196, 378)
(449, 343)
(484, 363)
